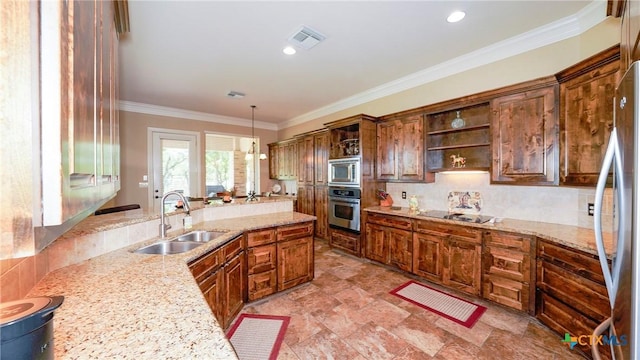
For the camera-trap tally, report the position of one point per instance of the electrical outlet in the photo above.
(590, 208)
(404, 194)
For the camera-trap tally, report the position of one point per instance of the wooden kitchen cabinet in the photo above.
(234, 288)
(274, 161)
(283, 165)
(321, 157)
(306, 197)
(508, 270)
(461, 265)
(401, 249)
(629, 11)
(305, 161)
(428, 251)
(376, 243)
(587, 92)
(389, 240)
(461, 255)
(221, 276)
(261, 263)
(295, 254)
(400, 150)
(73, 81)
(571, 295)
(448, 140)
(321, 204)
(524, 130)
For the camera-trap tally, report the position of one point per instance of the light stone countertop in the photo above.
(122, 305)
(572, 236)
(93, 224)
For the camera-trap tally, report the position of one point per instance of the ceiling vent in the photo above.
(235, 95)
(306, 38)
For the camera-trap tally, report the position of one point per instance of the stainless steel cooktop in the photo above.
(479, 219)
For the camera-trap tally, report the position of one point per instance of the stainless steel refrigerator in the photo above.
(622, 277)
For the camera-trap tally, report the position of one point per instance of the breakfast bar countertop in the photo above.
(572, 236)
(127, 305)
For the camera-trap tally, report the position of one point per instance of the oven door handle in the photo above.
(345, 201)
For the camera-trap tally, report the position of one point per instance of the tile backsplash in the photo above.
(553, 204)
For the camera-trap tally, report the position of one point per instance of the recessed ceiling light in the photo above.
(456, 16)
(289, 50)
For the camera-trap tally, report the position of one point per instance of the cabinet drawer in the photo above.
(261, 237)
(509, 240)
(507, 263)
(345, 240)
(206, 264)
(563, 319)
(514, 294)
(295, 231)
(391, 221)
(210, 281)
(586, 296)
(460, 232)
(232, 248)
(261, 285)
(261, 258)
(576, 261)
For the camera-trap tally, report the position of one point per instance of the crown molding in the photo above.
(142, 108)
(559, 30)
(556, 31)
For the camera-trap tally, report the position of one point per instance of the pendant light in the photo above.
(251, 195)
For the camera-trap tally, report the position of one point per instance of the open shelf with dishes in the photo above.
(345, 141)
(459, 139)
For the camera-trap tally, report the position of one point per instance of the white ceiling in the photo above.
(183, 57)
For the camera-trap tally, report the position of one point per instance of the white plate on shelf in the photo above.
(276, 188)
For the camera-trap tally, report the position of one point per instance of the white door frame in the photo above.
(153, 135)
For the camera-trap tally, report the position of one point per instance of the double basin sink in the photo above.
(181, 243)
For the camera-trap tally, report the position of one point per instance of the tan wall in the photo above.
(133, 148)
(534, 64)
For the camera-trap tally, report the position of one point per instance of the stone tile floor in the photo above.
(346, 312)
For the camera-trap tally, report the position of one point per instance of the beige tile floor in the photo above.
(346, 312)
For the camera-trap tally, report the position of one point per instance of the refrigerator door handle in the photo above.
(604, 326)
(612, 156)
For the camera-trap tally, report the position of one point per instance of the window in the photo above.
(227, 168)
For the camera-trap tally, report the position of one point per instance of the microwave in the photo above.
(344, 172)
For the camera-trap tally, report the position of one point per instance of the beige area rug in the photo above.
(258, 337)
(451, 307)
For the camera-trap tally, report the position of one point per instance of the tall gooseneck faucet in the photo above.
(164, 227)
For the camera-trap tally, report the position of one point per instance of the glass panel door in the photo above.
(174, 165)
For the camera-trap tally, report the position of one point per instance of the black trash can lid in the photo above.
(19, 309)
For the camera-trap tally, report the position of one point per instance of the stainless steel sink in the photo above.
(180, 243)
(199, 236)
(169, 247)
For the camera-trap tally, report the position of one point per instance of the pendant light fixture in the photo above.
(251, 195)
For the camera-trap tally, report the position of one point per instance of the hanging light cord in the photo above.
(253, 136)
(252, 194)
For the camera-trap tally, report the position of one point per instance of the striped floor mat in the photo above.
(443, 304)
(258, 337)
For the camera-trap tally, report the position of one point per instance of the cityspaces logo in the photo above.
(571, 341)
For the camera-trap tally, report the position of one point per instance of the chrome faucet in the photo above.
(164, 227)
